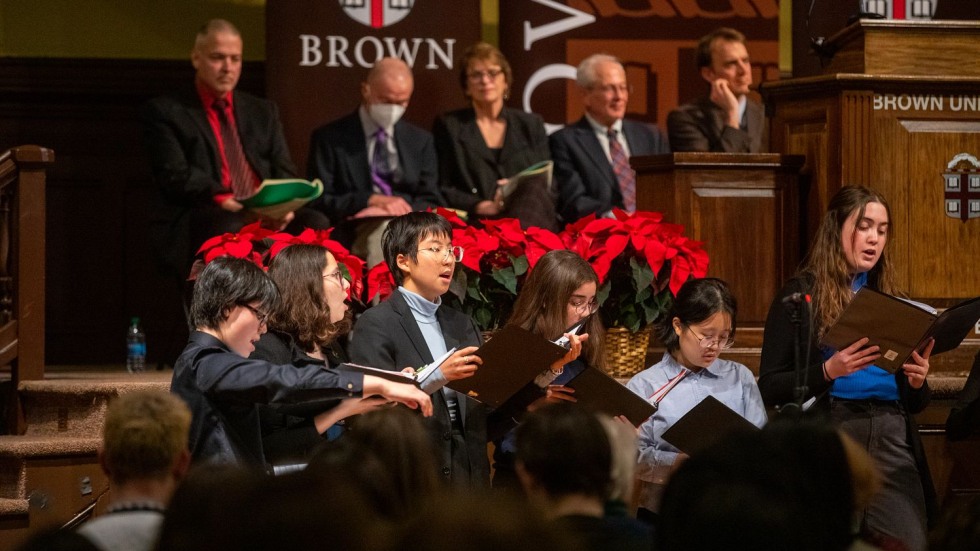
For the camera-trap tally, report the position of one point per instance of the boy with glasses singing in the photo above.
(223, 387)
(412, 327)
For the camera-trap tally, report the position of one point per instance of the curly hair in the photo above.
(826, 267)
(303, 311)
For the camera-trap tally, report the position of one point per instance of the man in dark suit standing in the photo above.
(372, 163)
(726, 120)
(211, 145)
(592, 156)
(412, 328)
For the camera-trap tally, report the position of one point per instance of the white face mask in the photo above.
(385, 114)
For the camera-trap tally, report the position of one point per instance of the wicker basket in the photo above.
(626, 351)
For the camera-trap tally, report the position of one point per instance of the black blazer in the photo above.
(468, 170)
(586, 182)
(387, 336)
(183, 151)
(338, 157)
(700, 126)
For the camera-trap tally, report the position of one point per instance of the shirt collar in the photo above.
(600, 129)
(208, 97)
(421, 305)
(674, 367)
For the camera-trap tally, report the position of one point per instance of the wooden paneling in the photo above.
(100, 264)
(851, 135)
(744, 208)
(892, 47)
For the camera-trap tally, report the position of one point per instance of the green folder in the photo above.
(276, 198)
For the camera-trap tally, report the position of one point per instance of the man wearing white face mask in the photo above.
(372, 163)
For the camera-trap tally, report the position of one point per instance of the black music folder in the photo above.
(899, 327)
(598, 391)
(706, 423)
(511, 359)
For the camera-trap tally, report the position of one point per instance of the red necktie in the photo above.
(624, 174)
(242, 177)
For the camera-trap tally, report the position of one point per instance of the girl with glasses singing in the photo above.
(700, 325)
(559, 292)
(303, 330)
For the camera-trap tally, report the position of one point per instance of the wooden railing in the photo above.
(22, 219)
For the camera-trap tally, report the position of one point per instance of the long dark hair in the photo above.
(697, 300)
(303, 311)
(542, 303)
(826, 266)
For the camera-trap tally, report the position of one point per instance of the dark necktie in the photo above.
(624, 174)
(238, 168)
(380, 162)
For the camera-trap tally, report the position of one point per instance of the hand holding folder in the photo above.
(899, 327)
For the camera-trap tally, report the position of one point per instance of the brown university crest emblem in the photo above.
(961, 183)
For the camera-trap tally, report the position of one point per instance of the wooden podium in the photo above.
(743, 206)
(897, 106)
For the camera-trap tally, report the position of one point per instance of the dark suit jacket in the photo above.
(468, 170)
(586, 183)
(700, 126)
(387, 336)
(338, 157)
(186, 167)
(184, 154)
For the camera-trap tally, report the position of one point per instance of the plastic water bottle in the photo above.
(135, 347)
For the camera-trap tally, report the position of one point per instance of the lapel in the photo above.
(587, 140)
(470, 139)
(713, 117)
(407, 153)
(195, 112)
(514, 142)
(355, 149)
(411, 327)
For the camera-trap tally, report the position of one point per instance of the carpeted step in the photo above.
(74, 403)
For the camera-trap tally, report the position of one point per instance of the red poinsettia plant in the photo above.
(641, 262)
(261, 245)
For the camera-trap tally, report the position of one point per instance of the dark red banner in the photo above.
(318, 52)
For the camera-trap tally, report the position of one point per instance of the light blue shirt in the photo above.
(730, 382)
(424, 312)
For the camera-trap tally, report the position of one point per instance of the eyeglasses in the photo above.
(714, 342)
(261, 316)
(478, 76)
(455, 252)
(610, 89)
(337, 277)
(584, 308)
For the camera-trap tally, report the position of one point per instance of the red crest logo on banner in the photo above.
(377, 13)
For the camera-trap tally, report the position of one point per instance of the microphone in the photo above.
(796, 298)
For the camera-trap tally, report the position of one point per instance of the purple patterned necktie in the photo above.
(624, 174)
(238, 168)
(380, 163)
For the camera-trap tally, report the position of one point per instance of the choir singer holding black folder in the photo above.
(873, 406)
(559, 292)
(700, 324)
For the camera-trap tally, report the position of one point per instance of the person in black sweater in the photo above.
(303, 331)
(873, 406)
